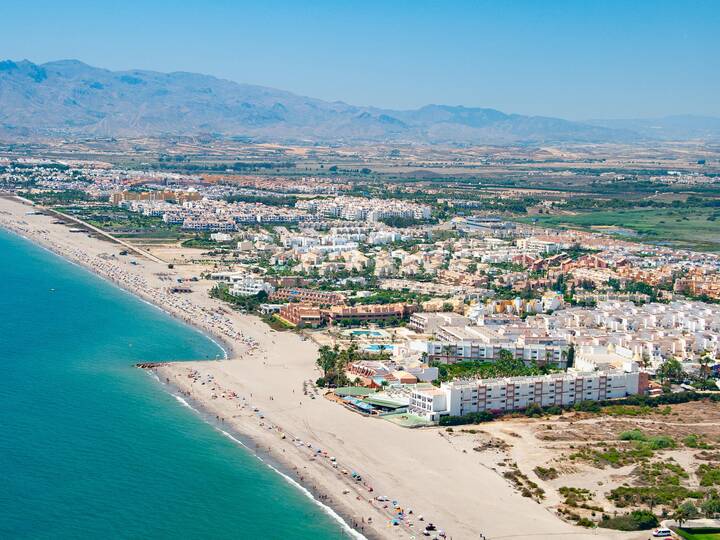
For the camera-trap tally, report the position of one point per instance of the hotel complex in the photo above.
(460, 397)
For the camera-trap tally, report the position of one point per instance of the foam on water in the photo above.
(328, 510)
(93, 448)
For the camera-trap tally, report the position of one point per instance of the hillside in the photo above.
(70, 98)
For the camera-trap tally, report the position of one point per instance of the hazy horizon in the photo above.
(606, 60)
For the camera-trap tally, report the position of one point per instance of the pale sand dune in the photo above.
(422, 469)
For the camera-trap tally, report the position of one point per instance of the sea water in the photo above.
(92, 447)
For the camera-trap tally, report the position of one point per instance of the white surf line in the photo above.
(327, 509)
(118, 285)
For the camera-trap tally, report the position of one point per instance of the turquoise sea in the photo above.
(91, 447)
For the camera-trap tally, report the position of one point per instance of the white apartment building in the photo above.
(249, 286)
(682, 329)
(482, 343)
(429, 323)
(461, 397)
(360, 209)
(428, 402)
(546, 245)
(193, 224)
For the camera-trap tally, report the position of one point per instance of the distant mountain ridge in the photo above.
(677, 127)
(70, 98)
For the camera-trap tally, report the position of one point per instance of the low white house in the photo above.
(220, 237)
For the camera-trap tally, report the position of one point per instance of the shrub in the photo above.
(709, 475)
(549, 473)
(639, 520)
(553, 410)
(585, 522)
(624, 496)
(661, 473)
(470, 418)
(632, 435)
(534, 410)
(661, 442)
(574, 496)
(696, 441)
(587, 406)
(627, 410)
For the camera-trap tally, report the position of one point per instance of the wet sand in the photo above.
(420, 469)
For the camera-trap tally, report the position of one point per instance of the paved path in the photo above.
(61, 215)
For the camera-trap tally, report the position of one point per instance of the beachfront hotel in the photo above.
(460, 397)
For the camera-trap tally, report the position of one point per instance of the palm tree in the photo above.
(548, 355)
(352, 352)
(680, 517)
(342, 361)
(645, 359)
(326, 360)
(704, 361)
(684, 512)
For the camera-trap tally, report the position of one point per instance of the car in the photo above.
(662, 532)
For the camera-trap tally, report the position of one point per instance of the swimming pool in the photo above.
(371, 333)
(379, 348)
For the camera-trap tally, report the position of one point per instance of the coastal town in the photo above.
(400, 315)
(360, 270)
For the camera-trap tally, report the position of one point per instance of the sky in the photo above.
(576, 59)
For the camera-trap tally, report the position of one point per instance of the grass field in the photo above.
(699, 534)
(692, 228)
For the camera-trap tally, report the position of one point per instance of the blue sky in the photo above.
(574, 59)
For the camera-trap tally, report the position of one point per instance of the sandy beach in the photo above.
(262, 392)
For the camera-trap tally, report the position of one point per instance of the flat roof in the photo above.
(354, 391)
(387, 403)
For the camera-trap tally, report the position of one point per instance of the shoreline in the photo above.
(282, 468)
(269, 367)
(340, 515)
(223, 343)
(264, 440)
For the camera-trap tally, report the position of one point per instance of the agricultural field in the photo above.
(692, 228)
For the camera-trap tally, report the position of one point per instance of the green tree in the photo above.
(447, 351)
(571, 356)
(670, 371)
(711, 506)
(705, 360)
(645, 360)
(327, 360)
(684, 512)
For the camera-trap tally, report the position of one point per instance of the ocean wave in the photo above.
(327, 509)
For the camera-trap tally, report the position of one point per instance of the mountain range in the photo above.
(69, 98)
